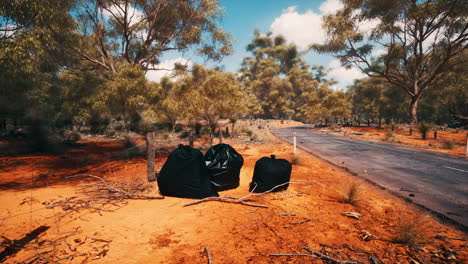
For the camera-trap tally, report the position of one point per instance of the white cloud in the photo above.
(304, 29)
(378, 52)
(343, 76)
(133, 15)
(301, 29)
(167, 68)
(330, 6)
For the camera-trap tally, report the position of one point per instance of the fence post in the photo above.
(294, 142)
(150, 153)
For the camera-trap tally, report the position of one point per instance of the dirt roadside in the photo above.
(162, 231)
(450, 142)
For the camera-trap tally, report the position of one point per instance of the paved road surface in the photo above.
(436, 181)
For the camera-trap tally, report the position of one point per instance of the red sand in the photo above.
(162, 231)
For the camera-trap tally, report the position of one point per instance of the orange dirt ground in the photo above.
(162, 231)
(400, 136)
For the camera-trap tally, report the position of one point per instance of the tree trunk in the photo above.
(414, 110)
(220, 135)
(191, 138)
(232, 128)
(151, 173)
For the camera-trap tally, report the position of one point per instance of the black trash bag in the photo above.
(224, 165)
(270, 172)
(185, 175)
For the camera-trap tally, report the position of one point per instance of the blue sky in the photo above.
(298, 20)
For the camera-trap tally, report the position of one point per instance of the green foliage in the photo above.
(419, 39)
(139, 32)
(128, 95)
(423, 129)
(208, 94)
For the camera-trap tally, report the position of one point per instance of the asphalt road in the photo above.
(434, 180)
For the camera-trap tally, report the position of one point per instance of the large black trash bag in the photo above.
(185, 175)
(224, 165)
(270, 172)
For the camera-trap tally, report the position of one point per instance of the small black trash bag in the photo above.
(185, 175)
(224, 165)
(270, 172)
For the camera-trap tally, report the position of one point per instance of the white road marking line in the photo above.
(455, 169)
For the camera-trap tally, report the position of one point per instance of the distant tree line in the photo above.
(83, 62)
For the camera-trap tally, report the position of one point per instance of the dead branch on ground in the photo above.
(101, 196)
(316, 254)
(208, 254)
(118, 190)
(242, 200)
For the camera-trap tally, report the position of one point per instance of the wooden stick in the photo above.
(150, 156)
(225, 199)
(111, 188)
(208, 254)
(292, 255)
(242, 199)
(301, 222)
(327, 258)
(421, 255)
(373, 260)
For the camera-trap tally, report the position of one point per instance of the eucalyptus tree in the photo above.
(417, 40)
(137, 32)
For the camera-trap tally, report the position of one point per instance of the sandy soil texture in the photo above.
(451, 142)
(309, 213)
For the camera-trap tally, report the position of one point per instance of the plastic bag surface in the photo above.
(184, 174)
(224, 164)
(270, 172)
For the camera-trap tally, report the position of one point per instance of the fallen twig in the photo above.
(421, 255)
(301, 222)
(315, 254)
(106, 185)
(225, 199)
(327, 258)
(241, 200)
(208, 254)
(292, 255)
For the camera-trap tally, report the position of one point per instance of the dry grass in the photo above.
(296, 160)
(389, 137)
(447, 144)
(352, 195)
(411, 232)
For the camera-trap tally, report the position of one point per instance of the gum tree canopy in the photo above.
(138, 32)
(409, 43)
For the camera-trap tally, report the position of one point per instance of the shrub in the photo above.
(296, 160)
(410, 231)
(389, 137)
(184, 134)
(447, 144)
(352, 195)
(249, 132)
(41, 139)
(423, 129)
(128, 142)
(115, 128)
(72, 136)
